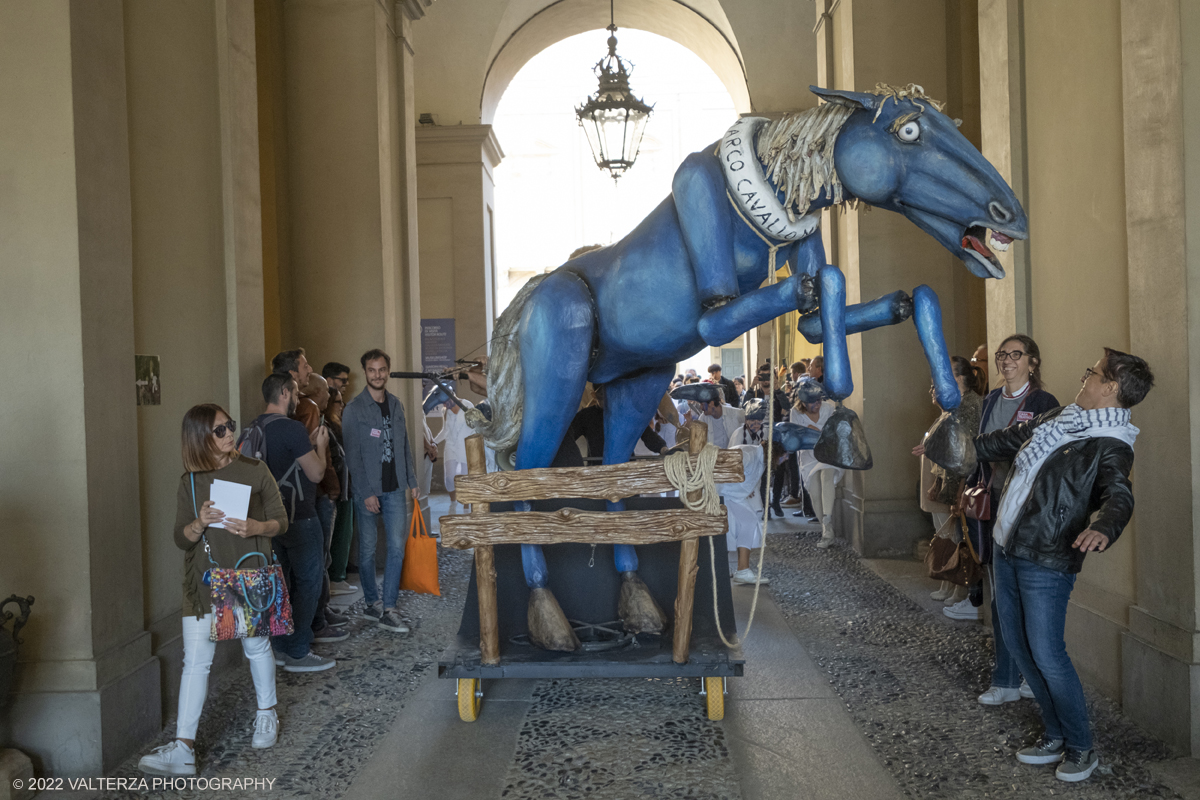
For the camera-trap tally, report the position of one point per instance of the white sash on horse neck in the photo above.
(749, 187)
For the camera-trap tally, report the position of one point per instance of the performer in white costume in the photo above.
(820, 479)
(454, 433)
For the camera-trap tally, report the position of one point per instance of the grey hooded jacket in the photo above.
(364, 452)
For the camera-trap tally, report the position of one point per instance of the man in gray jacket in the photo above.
(381, 474)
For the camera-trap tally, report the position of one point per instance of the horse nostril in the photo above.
(999, 213)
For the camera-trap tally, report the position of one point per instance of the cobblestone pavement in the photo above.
(908, 680)
(620, 739)
(329, 722)
(910, 683)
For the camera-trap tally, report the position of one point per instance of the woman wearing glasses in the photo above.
(1020, 399)
(209, 455)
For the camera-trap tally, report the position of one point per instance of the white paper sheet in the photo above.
(231, 498)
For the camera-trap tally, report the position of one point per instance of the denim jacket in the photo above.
(364, 452)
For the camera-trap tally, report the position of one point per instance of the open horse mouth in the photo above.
(973, 242)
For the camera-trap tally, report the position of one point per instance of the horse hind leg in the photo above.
(556, 336)
(629, 405)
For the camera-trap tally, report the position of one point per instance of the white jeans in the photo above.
(198, 654)
(822, 487)
(451, 469)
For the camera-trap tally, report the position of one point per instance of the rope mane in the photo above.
(797, 150)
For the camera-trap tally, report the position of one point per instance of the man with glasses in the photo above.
(1069, 464)
(338, 377)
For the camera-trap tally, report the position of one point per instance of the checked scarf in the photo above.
(1072, 422)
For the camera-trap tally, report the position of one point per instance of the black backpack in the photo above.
(253, 443)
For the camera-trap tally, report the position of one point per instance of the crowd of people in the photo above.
(319, 468)
(1052, 484)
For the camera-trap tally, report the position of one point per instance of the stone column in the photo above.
(1160, 663)
(87, 689)
(1004, 143)
(454, 191)
(242, 204)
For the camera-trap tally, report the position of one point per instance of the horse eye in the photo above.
(909, 132)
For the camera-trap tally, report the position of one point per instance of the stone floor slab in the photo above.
(431, 753)
(787, 749)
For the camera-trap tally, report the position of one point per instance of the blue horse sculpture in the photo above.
(691, 275)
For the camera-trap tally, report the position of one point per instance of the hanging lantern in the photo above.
(613, 119)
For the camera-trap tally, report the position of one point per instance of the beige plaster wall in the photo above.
(178, 262)
(1077, 246)
(348, 185)
(335, 223)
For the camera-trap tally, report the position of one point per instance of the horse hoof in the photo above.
(637, 609)
(951, 443)
(843, 442)
(548, 626)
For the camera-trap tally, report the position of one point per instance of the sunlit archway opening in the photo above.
(551, 198)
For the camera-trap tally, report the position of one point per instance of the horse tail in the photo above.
(506, 384)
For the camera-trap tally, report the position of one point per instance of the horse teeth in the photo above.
(999, 245)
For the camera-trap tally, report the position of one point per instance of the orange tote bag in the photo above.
(420, 570)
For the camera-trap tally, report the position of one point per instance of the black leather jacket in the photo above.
(1077, 479)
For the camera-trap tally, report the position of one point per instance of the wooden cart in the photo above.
(657, 531)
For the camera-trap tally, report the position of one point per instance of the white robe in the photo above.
(454, 433)
(742, 502)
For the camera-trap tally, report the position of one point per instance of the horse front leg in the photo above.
(843, 443)
(951, 443)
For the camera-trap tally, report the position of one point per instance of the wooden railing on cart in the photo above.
(482, 529)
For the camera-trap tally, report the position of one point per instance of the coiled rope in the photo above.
(688, 475)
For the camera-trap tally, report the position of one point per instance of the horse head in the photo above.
(900, 152)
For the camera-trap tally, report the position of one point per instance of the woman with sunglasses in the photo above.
(1020, 399)
(209, 454)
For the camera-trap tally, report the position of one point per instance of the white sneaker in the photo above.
(998, 695)
(962, 610)
(747, 576)
(341, 587)
(175, 758)
(266, 729)
(1025, 691)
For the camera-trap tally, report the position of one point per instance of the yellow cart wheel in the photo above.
(469, 696)
(714, 689)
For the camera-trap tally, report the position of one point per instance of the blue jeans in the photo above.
(1032, 605)
(301, 553)
(1004, 673)
(326, 511)
(393, 507)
